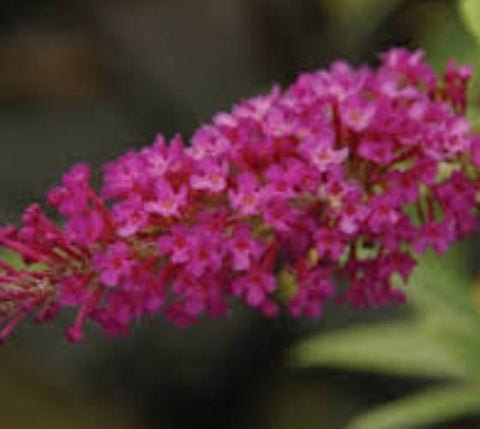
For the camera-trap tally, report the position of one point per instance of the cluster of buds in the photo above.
(329, 190)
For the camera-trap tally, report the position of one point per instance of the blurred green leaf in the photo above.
(354, 9)
(470, 11)
(448, 35)
(443, 285)
(441, 293)
(357, 20)
(440, 340)
(15, 260)
(11, 258)
(436, 405)
(395, 348)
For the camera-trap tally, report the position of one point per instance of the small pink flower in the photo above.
(113, 264)
(394, 238)
(257, 107)
(197, 296)
(178, 244)
(247, 198)
(279, 215)
(383, 214)
(72, 197)
(211, 176)
(403, 184)
(357, 113)
(156, 158)
(278, 123)
(85, 228)
(78, 175)
(254, 287)
(167, 202)
(438, 235)
(123, 176)
(319, 150)
(380, 151)
(206, 256)
(244, 248)
(208, 142)
(314, 290)
(475, 150)
(396, 262)
(352, 215)
(280, 182)
(72, 290)
(329, 243)
(130, 216)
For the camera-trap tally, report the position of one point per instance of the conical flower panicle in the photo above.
(348, 174)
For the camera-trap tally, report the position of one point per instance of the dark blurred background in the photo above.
(86, 80)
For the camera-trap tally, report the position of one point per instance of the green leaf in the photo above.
(441, 341)
(441, 292)
(357, 20)
(11, 258)
(395, 348)
(15, 261)
(434, 406)
(470, 11)
(353, 9)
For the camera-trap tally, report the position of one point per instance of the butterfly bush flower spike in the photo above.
(327, 191)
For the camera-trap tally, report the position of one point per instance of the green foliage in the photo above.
(357, 20)
(405, 348)
(423, 409)
(470, 11)
(15, 260)
(440, 340)
(359, 10)
(450, 34)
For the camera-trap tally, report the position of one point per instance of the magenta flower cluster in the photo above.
(328, 190)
